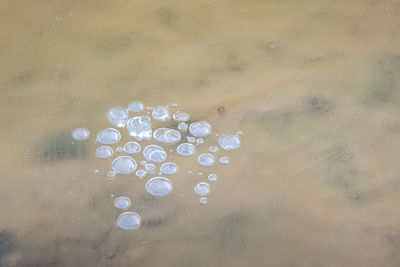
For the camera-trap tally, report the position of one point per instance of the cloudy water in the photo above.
(303, 96)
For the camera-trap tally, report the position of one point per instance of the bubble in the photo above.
(135, 106)
(129, 220)
(124, 165)
(119, 149)
(149, 108)
(202, 189)
(109, 136)
(140, 173)
(191, 139)
(96, 171)
(183, 127)
(132, 148)
(104, 152)
(229, 142)
(80, 134)
(181, 116)
(174, 105)
(224, 160)
(154, 153)
(200, 128)
(143, 162)
(212, 177)
(200, 141)
(206, 159)
(111, 175)
(150, 168)
(186, 149)
(117, 116)
(140, 128)
(203, 200)
(159, 186)
(169, 168)
(167, 135)
(161, 113)
(239, 132)
(213, 149)
(122, 203)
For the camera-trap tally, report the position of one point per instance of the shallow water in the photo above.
(313, 85)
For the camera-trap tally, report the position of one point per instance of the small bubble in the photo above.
(104, 152)
(174, 105)
(122, 203)
(161, 113)
(111, 175)
(186, 149)
(169, 168)
(154, 153)
(80, 134)
(166, 135)
(183, 127)
(96, 171)
(129, 220)
(181, 116)
(229, 142)
(117, 116)
(119, 149)
(132, 148)
(206, 159)
(108, 136)
(213, 149)
(212, 177)
(200, 129)
(143, 162)
(140, 128)
(135, 106)
(200, 141)
(203, 200)
(124, 165)
(200, 173)
(191, 139)
(224, 160)
(202, 189)
(159, 186)
(140, 173)
(239, 132)
(150, 168)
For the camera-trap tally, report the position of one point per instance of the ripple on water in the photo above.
(159, 186)
(129, 220)
(108, 136)
(124, 165)
(80, 134)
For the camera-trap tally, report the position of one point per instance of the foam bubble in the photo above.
(140, 128)
(202, 189)
(122, 203)
(169, 168)
(167, 135)
(183, 127)
(229, 142)
(181, 116)
(135, 106)
(224, 160)
(132, 148)
(186, 149)
(161, 113)
(154, 153)
(212, 177)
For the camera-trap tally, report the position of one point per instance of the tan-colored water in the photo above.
(314, 86)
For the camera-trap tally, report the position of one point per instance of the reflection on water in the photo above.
(314, 86)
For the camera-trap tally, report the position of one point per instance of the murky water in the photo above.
(313, 85)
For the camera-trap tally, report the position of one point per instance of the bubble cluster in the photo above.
(152, 125)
